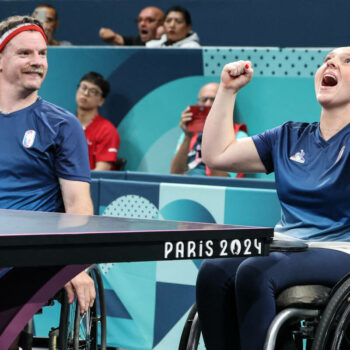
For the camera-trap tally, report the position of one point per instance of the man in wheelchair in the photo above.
(236, 297)
(45, 164)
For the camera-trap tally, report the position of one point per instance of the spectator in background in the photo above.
(47, 15)
(188, 159)
(150, 26)
(102, 136)
(178, 30)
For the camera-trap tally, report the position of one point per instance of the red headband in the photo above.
(9, 35)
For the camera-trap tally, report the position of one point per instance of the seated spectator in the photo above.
(47, 15)
(178, 30)
(102, 136)
(188, 159)
(150, 26)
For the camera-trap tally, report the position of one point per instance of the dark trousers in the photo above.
(236, 296)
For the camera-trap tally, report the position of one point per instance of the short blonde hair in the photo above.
(13, 21)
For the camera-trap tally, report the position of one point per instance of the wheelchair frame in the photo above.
(75, 332)
(319, 320)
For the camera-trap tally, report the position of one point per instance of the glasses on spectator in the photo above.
(205, 99)
(90, 90)
(148, 20)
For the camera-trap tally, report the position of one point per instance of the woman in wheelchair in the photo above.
(236, 297)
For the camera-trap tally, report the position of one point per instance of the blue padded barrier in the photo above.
(196, 180)
(189, 202)
(201, 180)
(113, 175)
(156, 321)
(250, 206)
(140, 297)
(129, 198)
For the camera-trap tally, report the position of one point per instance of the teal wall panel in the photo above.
(68, 64)
(245, 206)
(135, 285)
(267, 102)
(267, 61)
(192, 202)
(151, 128)
(150, 89)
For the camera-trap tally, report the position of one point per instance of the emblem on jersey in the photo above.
(28, 139)
(298, 157)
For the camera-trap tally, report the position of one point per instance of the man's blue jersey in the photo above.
(312, 179)
(38, 145)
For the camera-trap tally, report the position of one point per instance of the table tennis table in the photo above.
(40, 252)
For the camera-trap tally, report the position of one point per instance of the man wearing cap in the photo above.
(44, 164)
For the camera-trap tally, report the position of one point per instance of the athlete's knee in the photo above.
(251, 279)
(214, 274)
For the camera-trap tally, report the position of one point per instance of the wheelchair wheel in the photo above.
(190, 335)
(86, 332)
(333, 331)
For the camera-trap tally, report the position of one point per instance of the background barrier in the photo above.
(151, 88)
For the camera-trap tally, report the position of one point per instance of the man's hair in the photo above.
(49, 7)
(185, 13)
(13, 21)
(98, 80)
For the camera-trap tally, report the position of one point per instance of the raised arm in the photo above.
(220, 148)
(111, 37)
(179, 162)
